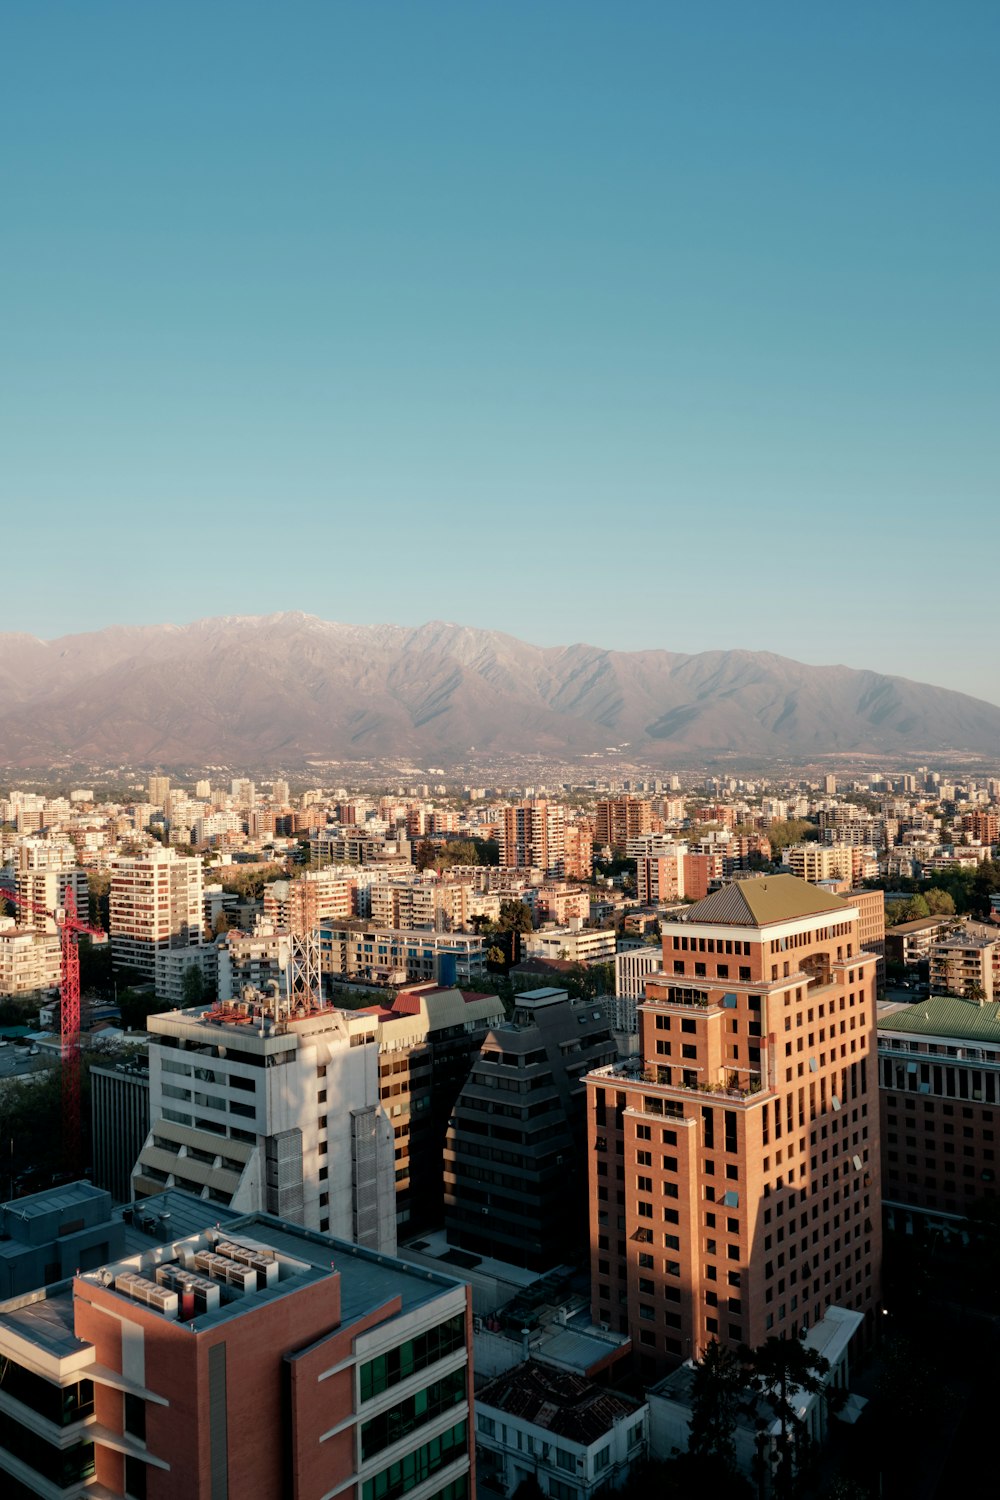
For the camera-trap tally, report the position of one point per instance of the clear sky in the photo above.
(660, 324)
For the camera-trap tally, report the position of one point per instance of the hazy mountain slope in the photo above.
(282, 687)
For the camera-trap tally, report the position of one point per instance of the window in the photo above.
(397, 1422)
(602, 1458)
(416, 1467)
(407, 1359)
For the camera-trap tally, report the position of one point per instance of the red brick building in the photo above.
(939, 1064)
(734, 1181)
(255, 1360)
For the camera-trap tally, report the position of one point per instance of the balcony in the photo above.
(740, 1085)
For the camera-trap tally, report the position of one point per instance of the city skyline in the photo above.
(386, 294)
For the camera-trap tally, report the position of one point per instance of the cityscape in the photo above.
(585, 1097)
(499, 750)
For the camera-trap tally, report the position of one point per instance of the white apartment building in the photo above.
(156, 902)
(46, 891)
(269, 1107)
(580, 945)
(29, 960)
(172, 965)
(381, 955)
(631, 969)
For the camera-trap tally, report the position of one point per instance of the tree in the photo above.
(779, 1370)
(457, 852)
(718, 1381)
(425, 855)
(515, 916)
(192, 986)
(939, 903)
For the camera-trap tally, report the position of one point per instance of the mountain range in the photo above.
(285, 688)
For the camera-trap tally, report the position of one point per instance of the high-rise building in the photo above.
(532, 836)
(620, 819)
(735, 1167)
(155, 903)
(515, 1160)
(158, 790)
(428, 1039)
(252, 1358)
(660, 877)
(267, 1105)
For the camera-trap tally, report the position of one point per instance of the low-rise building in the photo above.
(572, 1436)
(910, 943)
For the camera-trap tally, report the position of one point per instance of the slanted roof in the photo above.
(764, 900)
(946, 1015)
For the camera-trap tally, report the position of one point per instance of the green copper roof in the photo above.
(945, 1015)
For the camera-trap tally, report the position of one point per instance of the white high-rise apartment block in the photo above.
(262, 1106)
(156, 902)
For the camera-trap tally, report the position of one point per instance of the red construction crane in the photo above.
(70, 927)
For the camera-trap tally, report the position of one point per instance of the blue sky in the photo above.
(647, 324)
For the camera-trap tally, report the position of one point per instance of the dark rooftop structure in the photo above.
(569, 1406)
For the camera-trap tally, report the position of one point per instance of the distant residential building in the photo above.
(967, 963)
(515, 1159)
(871, 926)
(298, 906)
(155, 903)
(632, 968)
(581, 945)
(532, 836)
(171, 967)
(29, 960)
(660, 877)
(572, 1436)
(379, 955)
(620, 819)
(910, 942)
(702, 873)
(578, 844)
(251, 959)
